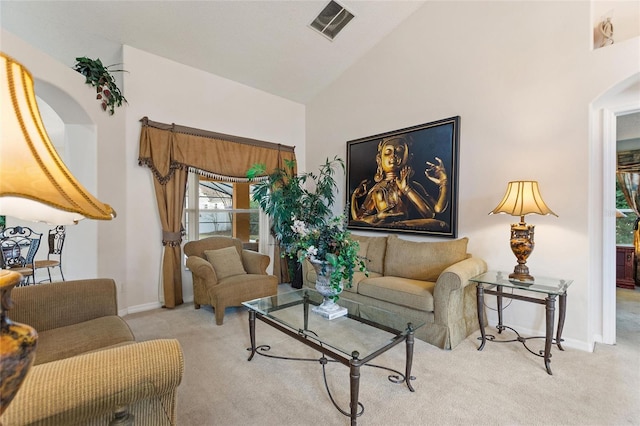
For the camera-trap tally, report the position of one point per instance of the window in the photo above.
(215, 207)
(624, 224)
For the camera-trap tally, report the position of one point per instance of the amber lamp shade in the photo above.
(522, 198)
(35, 184)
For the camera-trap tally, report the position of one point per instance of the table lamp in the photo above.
(522, 198)
(35, 185)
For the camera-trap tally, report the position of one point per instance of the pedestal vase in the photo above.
(329, 308)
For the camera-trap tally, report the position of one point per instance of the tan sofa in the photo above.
(88, 365)
(425, 281)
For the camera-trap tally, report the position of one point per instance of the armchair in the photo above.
(225, 277)
(88, 366)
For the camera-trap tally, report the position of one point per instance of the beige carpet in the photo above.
(502, 385)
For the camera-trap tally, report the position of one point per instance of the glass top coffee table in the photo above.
(353, 340)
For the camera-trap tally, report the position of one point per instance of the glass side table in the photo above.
(494, 282)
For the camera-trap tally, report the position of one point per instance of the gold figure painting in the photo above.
(405, 180)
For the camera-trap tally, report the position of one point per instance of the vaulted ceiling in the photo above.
(267, 45)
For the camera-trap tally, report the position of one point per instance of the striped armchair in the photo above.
(88, 367)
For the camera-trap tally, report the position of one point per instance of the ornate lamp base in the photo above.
(522, 245)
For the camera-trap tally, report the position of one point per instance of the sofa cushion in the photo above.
(416, 294)
(375, 252)
(362, 248)
(357, 279)
(226, 262)
(422, 260)
(64, 342)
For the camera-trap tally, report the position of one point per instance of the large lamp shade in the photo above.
(35, 184)
(522, 198)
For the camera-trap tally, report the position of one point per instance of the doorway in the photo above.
(618, 101)
(627, 292)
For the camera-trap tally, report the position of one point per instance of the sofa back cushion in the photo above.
(375, 248)
(422, 260)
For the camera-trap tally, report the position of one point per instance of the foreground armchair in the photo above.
(88, 366)
(226, 275)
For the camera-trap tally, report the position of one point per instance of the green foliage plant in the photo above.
(330, 243)
(99, 76)
(289, 198)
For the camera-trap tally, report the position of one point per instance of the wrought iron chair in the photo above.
(54, 257)
(19, 246)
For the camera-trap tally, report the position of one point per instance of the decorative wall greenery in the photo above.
(99, 76)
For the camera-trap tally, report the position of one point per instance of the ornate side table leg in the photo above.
(306, 310)
(409, 361)
(561, 316)
(252, 333)
(480, 303)
(354, 376)
(548, 340)
(499, 307)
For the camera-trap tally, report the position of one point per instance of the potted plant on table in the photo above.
(299, 206)
(332, 252)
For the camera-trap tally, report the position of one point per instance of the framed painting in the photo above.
(405, 180)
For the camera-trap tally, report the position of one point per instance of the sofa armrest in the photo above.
(77, 389)
(449, 290)
(48, 306)
(202, 270)
(254, 262)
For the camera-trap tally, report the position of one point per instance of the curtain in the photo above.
(171, 151)
(629, 184)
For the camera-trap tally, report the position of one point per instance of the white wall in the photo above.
(170, 92)
(522, 76)
(95, 132)
(105, 155)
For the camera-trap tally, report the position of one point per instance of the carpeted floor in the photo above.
(502, 385)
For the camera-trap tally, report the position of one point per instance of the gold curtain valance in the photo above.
(167, 147)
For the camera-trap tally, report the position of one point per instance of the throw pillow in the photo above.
(422, 260)
(226, 262)
(362, 251)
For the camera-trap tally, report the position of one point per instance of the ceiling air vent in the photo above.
(332, 20)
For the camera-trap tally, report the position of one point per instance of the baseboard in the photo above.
(147, 307)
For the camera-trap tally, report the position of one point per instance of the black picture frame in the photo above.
(382, 200)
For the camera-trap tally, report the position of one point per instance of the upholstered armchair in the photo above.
(88, 366)
(224, 274)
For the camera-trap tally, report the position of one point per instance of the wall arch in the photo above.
(68, 108)
(620, 99)
(76, 144)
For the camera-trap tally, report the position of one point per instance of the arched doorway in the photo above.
(74, 136)
(619, 100)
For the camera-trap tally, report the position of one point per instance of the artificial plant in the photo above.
(286, 196)
(99, 76)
